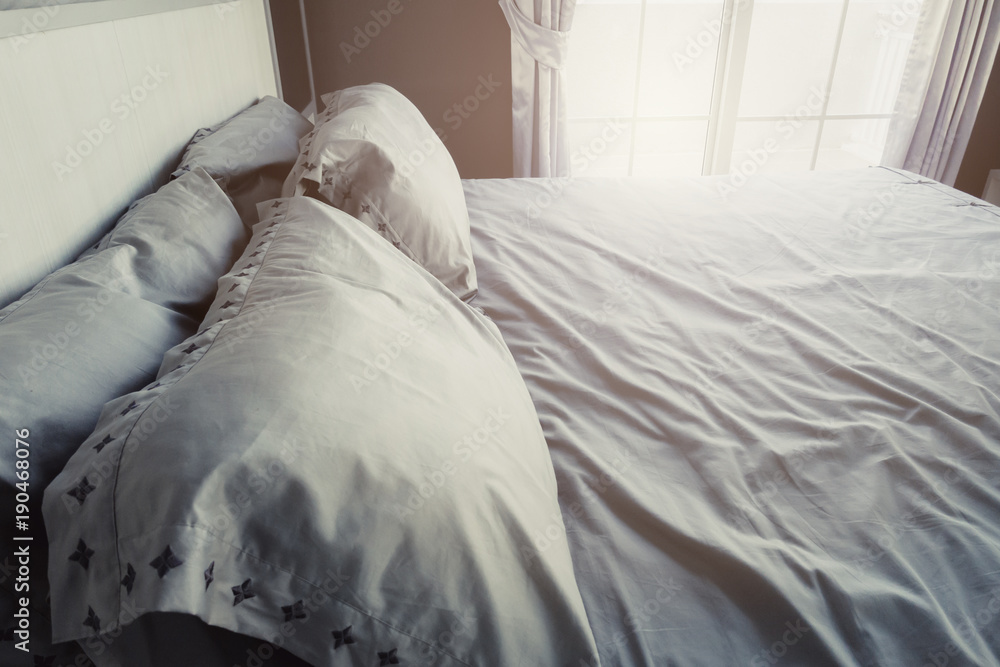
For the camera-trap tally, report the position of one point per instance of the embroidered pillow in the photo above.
(344, 462)
(96, 329)
(374, 156)
(249, 154)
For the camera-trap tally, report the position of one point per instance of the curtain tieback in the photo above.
(548, 47)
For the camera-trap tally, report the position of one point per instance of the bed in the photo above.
(312, 399)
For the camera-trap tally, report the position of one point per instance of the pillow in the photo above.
(98, 328)
(374, 156)
(250, 154)
(344, 461)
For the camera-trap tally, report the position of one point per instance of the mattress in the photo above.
(773, 412)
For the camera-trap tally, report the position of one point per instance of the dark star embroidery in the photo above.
(82, 490)
(209, 575)
(233, 287)
(382, 227)
(254, 255)
(328, 181)
(190, 348)
(294, 610)
(154, 386)
(395, 244)
(243, 592)
(131, 406)
(388, 658)
(248, 266)
(82, 554)
(342, 637)
(366, 208)
(309, 166)
(103, 443)
(129, 580)
(276, 204)
(261, 243)
(93, 620)
(227, 304)
(165, 562)
(242, 275)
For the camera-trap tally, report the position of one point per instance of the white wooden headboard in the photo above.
(98, 101)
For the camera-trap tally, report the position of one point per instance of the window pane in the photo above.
(789, 55)
(763, 146)
(603, 54)
(599, 147)
(873, 54)
(679, 52)
(669, 148)
(847, 144)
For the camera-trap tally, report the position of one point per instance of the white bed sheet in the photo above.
(773, 415)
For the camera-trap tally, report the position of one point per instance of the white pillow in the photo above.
(374, 156)
(346, 449)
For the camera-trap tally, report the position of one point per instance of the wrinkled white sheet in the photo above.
(773, 416)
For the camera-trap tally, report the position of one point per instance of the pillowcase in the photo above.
(374, 156)
(249, 154)
(98, 328)
(345, 452)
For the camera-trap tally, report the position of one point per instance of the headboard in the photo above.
(99, 99)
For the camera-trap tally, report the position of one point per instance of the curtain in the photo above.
(949, 65)
(539, 31)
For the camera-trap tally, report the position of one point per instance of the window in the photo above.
(687, 87)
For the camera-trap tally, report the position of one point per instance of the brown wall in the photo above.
(291, 47)
(983, 152)
(434, 52)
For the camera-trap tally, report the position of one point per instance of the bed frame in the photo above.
(99, 99)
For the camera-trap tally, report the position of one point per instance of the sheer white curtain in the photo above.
(740, 87)
(944, 84)
(539, 31)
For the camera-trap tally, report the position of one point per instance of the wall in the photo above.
(436, 52)
(983, 152)
(291, 47)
